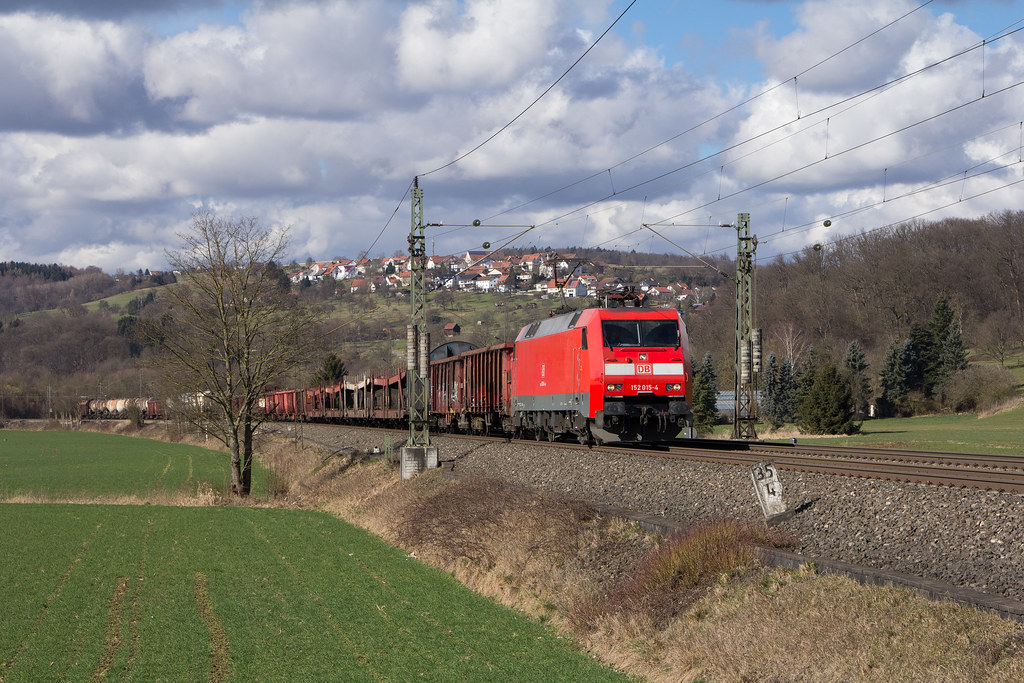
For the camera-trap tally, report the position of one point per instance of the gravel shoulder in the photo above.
(965, 537)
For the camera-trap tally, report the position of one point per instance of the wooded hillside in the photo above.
(873, 288)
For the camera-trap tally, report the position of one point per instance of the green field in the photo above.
(163, 593)
(88, 464)
(154, 592)
(1002, 433)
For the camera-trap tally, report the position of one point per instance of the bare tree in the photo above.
(792, 341)
(229, 330)
(998, 337)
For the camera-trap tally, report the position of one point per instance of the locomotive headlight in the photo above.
(614, 388)
(673, 387)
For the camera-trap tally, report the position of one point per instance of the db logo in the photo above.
(644, 369)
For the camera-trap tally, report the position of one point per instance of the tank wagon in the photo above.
(118, 408)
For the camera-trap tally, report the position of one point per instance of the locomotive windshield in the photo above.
(636, 333)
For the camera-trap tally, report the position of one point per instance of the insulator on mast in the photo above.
(745, 363)
(425, 355)
(410, 349)
(755, 342)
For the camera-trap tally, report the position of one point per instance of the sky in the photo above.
(120, 120)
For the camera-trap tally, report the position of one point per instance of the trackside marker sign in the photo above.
(769, 490)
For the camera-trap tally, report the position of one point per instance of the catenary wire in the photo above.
(773, 130)
(714, 118)
(539, 97)
(499, 131)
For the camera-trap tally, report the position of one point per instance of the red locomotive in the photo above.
(599, 375)
(607, 374)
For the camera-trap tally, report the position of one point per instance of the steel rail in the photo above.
(940, 469)
(959, 470)
(948, 457)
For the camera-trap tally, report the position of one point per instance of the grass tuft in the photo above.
(485, 521)
(677, 571)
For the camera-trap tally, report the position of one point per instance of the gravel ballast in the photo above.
(965, 537)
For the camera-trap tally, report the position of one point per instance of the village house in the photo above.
(530, 262)
(573, 288)
(590, 282)
(476, 258)
(338, 269)
(486, 282)
(610, 283)
(362, 285)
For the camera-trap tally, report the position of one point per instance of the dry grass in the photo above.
(204, 496)
(695, 607)
(784, 625)
(676, 573)
(1009, 404)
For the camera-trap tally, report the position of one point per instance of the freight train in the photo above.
(598, 375)
(119, 408)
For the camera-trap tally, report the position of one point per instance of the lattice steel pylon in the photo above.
(417, 364)
(747, 370)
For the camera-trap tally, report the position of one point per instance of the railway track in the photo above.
(959, 470)
(972, 470)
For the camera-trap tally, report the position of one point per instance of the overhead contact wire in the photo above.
(716, 116)
(539, 97)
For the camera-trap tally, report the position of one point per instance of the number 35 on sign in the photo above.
(769, 489)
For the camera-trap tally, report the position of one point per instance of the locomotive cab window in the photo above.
(660, 333)
(640, 333)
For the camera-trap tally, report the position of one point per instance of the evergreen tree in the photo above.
(949, 356)
(896, 367)
(705, 396)
(938, 348)
(860, 387)
(707, 368)
(942, 320)
(769, 391)
(275, 274)
(827, 408)
(127, 327)
(786, 392)
(953, 358)
(331, 370)
(805, 380)
(917, 356)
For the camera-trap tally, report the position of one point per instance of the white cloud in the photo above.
(320, 60)
(56, 69)
(880, 146)
(318, 114)
(451, 46)
(112, 256)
